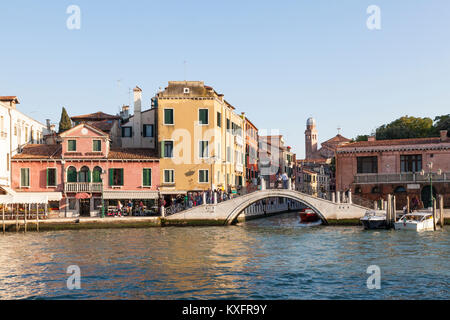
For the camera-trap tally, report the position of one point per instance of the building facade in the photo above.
(403, 167)
(251, 155)
(16, 130)
(86, 170)
(200, 140)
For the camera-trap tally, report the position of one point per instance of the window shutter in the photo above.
(121, 177)
(47, 176)
(144, 177)
(111, 177)
(89, 176)
(162, 149)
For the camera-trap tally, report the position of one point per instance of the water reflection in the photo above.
(272, 258)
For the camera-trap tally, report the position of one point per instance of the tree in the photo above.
(364, 137)
(442, 123)
(406, 127)
(64, 122)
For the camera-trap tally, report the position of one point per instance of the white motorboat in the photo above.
(374, 219)
(416, 221)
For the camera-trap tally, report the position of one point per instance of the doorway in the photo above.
(85, 207)
(426, 196)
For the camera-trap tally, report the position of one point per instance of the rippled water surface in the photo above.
(271, 258)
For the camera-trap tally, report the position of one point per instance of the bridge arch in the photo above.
(258, 196)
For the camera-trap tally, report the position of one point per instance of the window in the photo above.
(169, 176)
(97, 175)
(168, 116)
(116, 177)
(367, 165)
(146, 177)
(411, 163)
(72, 203)
(228, 124)
(7, 162)
(25, 177)
(148, 130)
(84, 175)
(375, 190)
(72, 145)
(167, 149)
(97, 145)
(127, 132)
(51, 177)
(228, 154)
(203, 116)
(203, 149)
(203, 176)
(219, 151)
(71, 174)
(400, 189)
(219, 119)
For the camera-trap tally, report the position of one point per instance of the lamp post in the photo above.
(430, 176)
(103, 201)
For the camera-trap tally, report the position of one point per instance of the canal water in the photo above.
(270, 258)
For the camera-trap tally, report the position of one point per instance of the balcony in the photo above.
(239, 167)
(239, 141)
(406, 177)
(76, 187)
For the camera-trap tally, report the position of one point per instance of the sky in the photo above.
(280, 62)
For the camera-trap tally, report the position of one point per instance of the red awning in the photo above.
(83, 195)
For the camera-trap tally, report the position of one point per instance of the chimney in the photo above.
(371, 138)
(444, 135)
(48, 124)
(137, 100)
(125, 113)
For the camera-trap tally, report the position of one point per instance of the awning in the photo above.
(130, 195)
(83, 195)
(174, 192)
(14, 197)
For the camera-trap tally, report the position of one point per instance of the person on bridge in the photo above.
(285, 179)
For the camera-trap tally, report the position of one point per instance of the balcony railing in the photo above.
(406, 177)
(239, 141)
(82, 187)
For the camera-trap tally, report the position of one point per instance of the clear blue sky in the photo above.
(278, 61)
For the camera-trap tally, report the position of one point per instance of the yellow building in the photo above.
(200, 140)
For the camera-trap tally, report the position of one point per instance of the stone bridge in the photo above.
(227, 212)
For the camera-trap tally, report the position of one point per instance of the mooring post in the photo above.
(375, 205)
(394, 210)
(333, 197)
(388, 211)
(25, 216)
(338, 197)
(3, 218)
(215, 197)
(17, 218)
(163, 214)
(434, 214)
(37, 217)
(407, 204)
(441, 210)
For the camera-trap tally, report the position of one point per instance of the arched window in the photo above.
(400, 189)
(97, 175)
(375, 190)
(71, 174)
(358, 190)
(84, 175)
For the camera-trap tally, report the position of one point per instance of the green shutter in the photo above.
(47, 176)
(121, 177)
(89, 176)
(111, 177)
(162, 149)
(144, 177)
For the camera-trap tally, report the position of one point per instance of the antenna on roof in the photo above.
(339, 130)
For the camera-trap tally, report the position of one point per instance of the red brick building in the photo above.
(83, 167)
(402, 167)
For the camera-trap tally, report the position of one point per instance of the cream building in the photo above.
(200, 139)
(16, 130)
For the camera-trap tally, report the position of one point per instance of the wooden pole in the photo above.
(394, 210)
(407, 204)
(3, 217)
(17, 217)
(25, 216)
(441, 210)
(37, 217)
(388, 213)
(434, 214)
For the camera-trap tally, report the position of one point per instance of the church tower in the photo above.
(310, 139)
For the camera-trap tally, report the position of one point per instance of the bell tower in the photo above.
(310, 139)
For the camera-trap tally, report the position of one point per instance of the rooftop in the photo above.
(40, 151)
(97, 116)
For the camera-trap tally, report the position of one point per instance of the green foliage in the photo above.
(64, 122)
(442, 123)
(364, 137)
(406, 127)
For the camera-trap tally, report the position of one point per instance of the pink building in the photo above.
(83, 167)
(403, 167)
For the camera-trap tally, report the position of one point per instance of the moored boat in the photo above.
(416, 221)
(308, 215)
(374, 219)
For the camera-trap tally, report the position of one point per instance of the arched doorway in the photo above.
(84, 175)
(71, 174)
(426, 196)
(97, 175)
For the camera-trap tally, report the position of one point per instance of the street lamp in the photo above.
(103, 201)
(430, 176)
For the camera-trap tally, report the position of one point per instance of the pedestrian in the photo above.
(285, 179)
